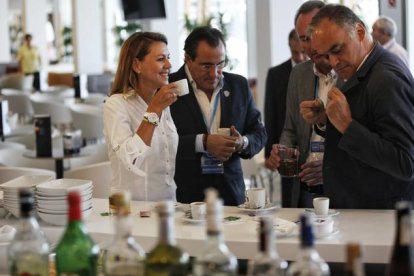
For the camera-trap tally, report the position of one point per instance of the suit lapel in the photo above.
(226, 99)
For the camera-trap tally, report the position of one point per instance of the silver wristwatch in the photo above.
(152, 118)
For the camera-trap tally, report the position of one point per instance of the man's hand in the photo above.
(236, 134)
(313, 112)
(311, 173)
(338, 111)
(221, 146)
(272, 163)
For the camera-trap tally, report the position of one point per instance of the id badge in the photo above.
(211, 165)
(317, 146)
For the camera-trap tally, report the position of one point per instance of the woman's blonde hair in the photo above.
(136, 46)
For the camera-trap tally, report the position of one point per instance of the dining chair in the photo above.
(89, 119)
(100, 174)
(9, 173)
(19, 102)
(59, 113)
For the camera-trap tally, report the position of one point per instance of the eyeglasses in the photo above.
(207, 66)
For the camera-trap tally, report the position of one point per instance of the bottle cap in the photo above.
(26, 202)
(74, 201)
(306, 230)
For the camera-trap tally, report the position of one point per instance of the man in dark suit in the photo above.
(216, 100)
(369, 153)
(276, 89)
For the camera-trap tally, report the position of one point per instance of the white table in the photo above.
(373, 228)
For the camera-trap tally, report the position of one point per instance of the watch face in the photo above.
(153, 117)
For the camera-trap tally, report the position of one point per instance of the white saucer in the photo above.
(324, 236)
(191, 220)
(331, 212)
(267, 207)
(283, 228)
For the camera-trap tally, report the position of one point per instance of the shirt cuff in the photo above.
(199, 143)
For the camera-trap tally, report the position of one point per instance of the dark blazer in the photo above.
(275, 102)
(238, 109)
(371, 165)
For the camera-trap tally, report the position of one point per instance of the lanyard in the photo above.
(213, 113)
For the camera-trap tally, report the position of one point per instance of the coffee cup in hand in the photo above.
(256, 198)
(321, 206)
(182, 87)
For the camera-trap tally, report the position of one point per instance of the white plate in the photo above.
(331, 212)
(25, 181)
(195, 221)
(226, 220)
(60, 220)
(62, 186)
(335, 231)
(267, 207)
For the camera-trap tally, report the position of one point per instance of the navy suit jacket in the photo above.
(275, 102)
(371, 165)
(238, 109)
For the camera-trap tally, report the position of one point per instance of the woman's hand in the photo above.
(163, 98)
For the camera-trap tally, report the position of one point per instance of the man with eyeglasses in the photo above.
(218, 100)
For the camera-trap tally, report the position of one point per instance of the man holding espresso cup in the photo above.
(217, 122)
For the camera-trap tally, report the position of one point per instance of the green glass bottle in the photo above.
(29, 251)
(76, 253)
(166, 258)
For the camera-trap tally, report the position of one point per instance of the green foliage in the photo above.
(122, 32)
(67, 50)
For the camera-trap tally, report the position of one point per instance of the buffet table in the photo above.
(373, 228)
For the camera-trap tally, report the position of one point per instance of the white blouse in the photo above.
(147, 171)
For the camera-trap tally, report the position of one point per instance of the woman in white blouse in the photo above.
(139, 130)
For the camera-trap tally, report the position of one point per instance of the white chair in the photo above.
(100, 174)
(10, 145)
(89, 119)
(59, 113)
(17, 81)
(9, 173)
(99, 153)
(19, 102)
(13, 157)
(27, 140)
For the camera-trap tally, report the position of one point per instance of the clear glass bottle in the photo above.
(166, 258)
(267, 261)
(354, 265)
(309, 262)
(29, 251)
(402, 256)
(124, 256)
(215, 258)
(316, 152)
(76, 252)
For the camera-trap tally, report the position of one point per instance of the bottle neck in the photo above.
(404, 231)
(75, 213)
(123, 227)
(266, 245)
(308, 253)
(29, 224)
(166, 229)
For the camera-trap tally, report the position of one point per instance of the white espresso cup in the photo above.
(256, 198)
(198, 210)
(321, 206)
(223, 131)
(182, 86)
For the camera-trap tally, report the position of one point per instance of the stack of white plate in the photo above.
(51, 198)
(11, 190)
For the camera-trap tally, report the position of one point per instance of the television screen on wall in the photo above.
(142, 9)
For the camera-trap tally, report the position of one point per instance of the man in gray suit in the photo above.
(308, 80)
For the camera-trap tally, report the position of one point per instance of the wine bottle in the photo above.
(309, 262)
(215, 257)
(166, 258)
(402, 257)
(267, 261)
(123, 256)
(29, 251)
(76, 252)
(354, 265)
